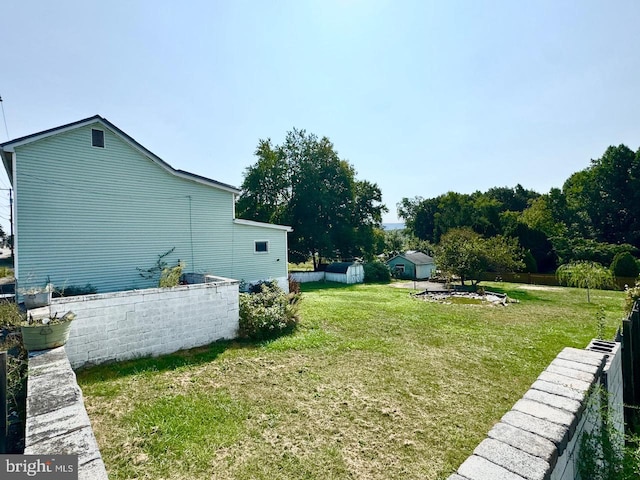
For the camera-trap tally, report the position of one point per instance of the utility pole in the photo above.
(11, 221)
(13, 260)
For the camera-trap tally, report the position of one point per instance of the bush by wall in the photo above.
(10, 341)
(268, 313)
(74, 291)
(376, 272)
(530, 265)
(632, 295)
(294, 286)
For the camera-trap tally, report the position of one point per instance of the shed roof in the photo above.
(7, 150)
(417, 258)
(339, 267)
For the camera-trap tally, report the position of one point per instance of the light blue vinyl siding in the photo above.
(409, 267)
(272, 264)
(92, 215)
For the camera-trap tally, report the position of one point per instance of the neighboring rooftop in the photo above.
(339, 267)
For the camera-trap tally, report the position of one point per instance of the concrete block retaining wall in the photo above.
(123, 325)
(539, 439)
(57, 422)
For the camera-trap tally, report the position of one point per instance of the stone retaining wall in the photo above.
(57, 422)
(157, 321)
(539, 439)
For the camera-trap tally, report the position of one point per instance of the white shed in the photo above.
(345, 272)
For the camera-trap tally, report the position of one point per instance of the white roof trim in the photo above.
(251, 223)
(49, 133)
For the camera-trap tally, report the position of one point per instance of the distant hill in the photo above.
(393, 226)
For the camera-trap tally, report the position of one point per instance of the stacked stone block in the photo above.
(57, 422)
(539, 439)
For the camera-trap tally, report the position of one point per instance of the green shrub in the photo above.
(268, 313)
(6, 272)
(624, 265)
(294, 287)
(170, 276)
(376, 272)
(631, 295)
(17, 363)
(257, 286)
(74, 290)
(10, 315)
(530, 265)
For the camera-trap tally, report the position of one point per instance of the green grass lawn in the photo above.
(374, 385)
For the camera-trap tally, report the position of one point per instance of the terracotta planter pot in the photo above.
(43, 337)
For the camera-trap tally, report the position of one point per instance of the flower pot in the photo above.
(43, 337)
(36, 300)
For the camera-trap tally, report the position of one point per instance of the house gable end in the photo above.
(8, 148)
(94, 215)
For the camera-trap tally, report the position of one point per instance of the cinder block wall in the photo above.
(612, 379)
(539, 439)
(123, 325)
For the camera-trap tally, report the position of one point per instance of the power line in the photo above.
(6, 129)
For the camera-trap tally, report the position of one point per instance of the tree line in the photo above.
(591, 218)
(305, 184)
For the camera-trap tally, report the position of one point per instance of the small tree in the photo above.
(466, 254)
(585, 275)
(460, 253)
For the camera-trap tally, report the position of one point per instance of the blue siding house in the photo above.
(412, 265)
(92, 205)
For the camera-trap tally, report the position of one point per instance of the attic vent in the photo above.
(97, 138)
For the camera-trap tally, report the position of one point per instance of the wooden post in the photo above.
(3, 402)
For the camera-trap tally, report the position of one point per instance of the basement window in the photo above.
(97, 138)
(261, 246)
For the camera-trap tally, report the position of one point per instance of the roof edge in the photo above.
(405, 257)
(46, 133)
(253, 223)
(11, 144)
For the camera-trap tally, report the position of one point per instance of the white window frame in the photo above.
(399, 267)
(255, 247)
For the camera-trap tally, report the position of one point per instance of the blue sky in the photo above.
(421, 97)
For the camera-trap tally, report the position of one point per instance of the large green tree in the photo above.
(602, 199)
(304, 183)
